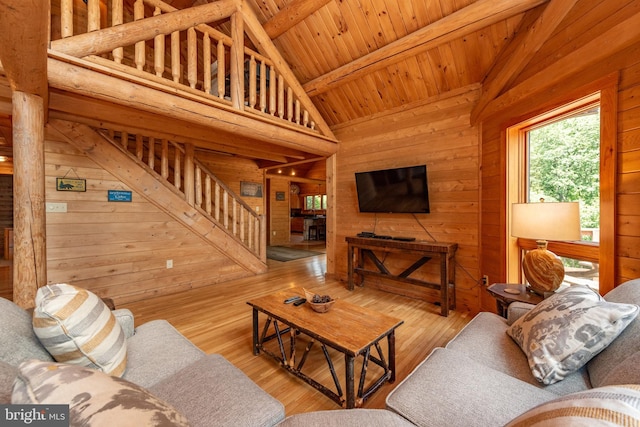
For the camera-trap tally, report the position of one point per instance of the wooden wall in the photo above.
(593, 41)
(436, 133)
(120, 250)
(279, 229)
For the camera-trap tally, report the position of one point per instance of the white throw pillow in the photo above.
(94, 398)
(566, 330)
(76, 327)
(617, 405)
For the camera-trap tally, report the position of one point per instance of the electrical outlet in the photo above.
(169, 263)
(56, 207)
(485, 280)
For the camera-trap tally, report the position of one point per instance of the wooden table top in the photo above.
(346, 327)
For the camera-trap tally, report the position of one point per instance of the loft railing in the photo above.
(175, 163)
(199, 59)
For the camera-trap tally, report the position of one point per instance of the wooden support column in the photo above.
(237, 61)
(30, 258)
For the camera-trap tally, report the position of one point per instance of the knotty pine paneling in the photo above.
(549, 92)
(437, 134)
(120, 250)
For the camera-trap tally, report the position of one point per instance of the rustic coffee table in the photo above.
(350, 329)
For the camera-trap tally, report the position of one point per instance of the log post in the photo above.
(30, 258)
(237, 61)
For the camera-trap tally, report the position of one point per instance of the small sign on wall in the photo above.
(119, 196)
(250, 189)
(71, 184)
(280, 196)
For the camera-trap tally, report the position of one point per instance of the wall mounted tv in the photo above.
(398, 190)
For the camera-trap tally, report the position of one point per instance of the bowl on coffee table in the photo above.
(319, 303)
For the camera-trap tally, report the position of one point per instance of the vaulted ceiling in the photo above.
(356, 58)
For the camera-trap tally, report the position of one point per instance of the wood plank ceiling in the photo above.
(360, 57)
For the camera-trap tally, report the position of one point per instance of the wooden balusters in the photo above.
(139, 147)
(234, 222)
(221, 70)
(158, 49)
(152, 153)
(206, 62)
(198, 186)
(117, 18)
(281, 96)
(192, 57)
(164, 159)
(175, 56)
(93, 15)
(225, 209)
(263, 86)
(216, 195)
(272, 91)
(66, 18)
(252, 82)
(268, 92)
(189, 183)
(138, 14)
(207, 194)
(289, 103)
(177, 170)
(124, 140)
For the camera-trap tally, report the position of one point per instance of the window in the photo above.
(316, 202)
(558, 156)
(562, 163)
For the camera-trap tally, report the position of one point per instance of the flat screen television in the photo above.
(398, 190)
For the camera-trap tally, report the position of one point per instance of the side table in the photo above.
(503, 298)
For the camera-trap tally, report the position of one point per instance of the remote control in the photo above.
(292, 299)
(300, 302)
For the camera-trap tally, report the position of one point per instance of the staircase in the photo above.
(168, 175)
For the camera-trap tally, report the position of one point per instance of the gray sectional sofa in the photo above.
(206, 389)
(481, 378)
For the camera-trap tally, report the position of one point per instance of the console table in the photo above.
(362, 247)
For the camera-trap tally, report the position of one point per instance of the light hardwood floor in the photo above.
(218, 320)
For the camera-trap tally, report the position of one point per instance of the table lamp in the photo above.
(545, 221)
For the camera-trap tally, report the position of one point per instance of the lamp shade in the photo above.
(546, 221)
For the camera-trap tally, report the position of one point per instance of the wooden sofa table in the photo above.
(352, 330)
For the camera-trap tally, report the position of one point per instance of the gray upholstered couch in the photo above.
(207, 389)
(482, 378)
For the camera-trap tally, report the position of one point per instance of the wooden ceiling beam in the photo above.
(613, 40)
(105, 40)
(23, 45)
(534, 31)
(474, 17)
(291, 15)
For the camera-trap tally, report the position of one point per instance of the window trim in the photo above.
(604, 254)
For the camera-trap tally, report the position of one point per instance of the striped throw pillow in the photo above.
(617, 405)
(76, 327)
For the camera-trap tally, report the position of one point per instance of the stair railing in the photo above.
(175, 164)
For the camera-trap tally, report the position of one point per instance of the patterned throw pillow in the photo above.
(566, 330)
(606, 406)
(94, 398)
(76, 327)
